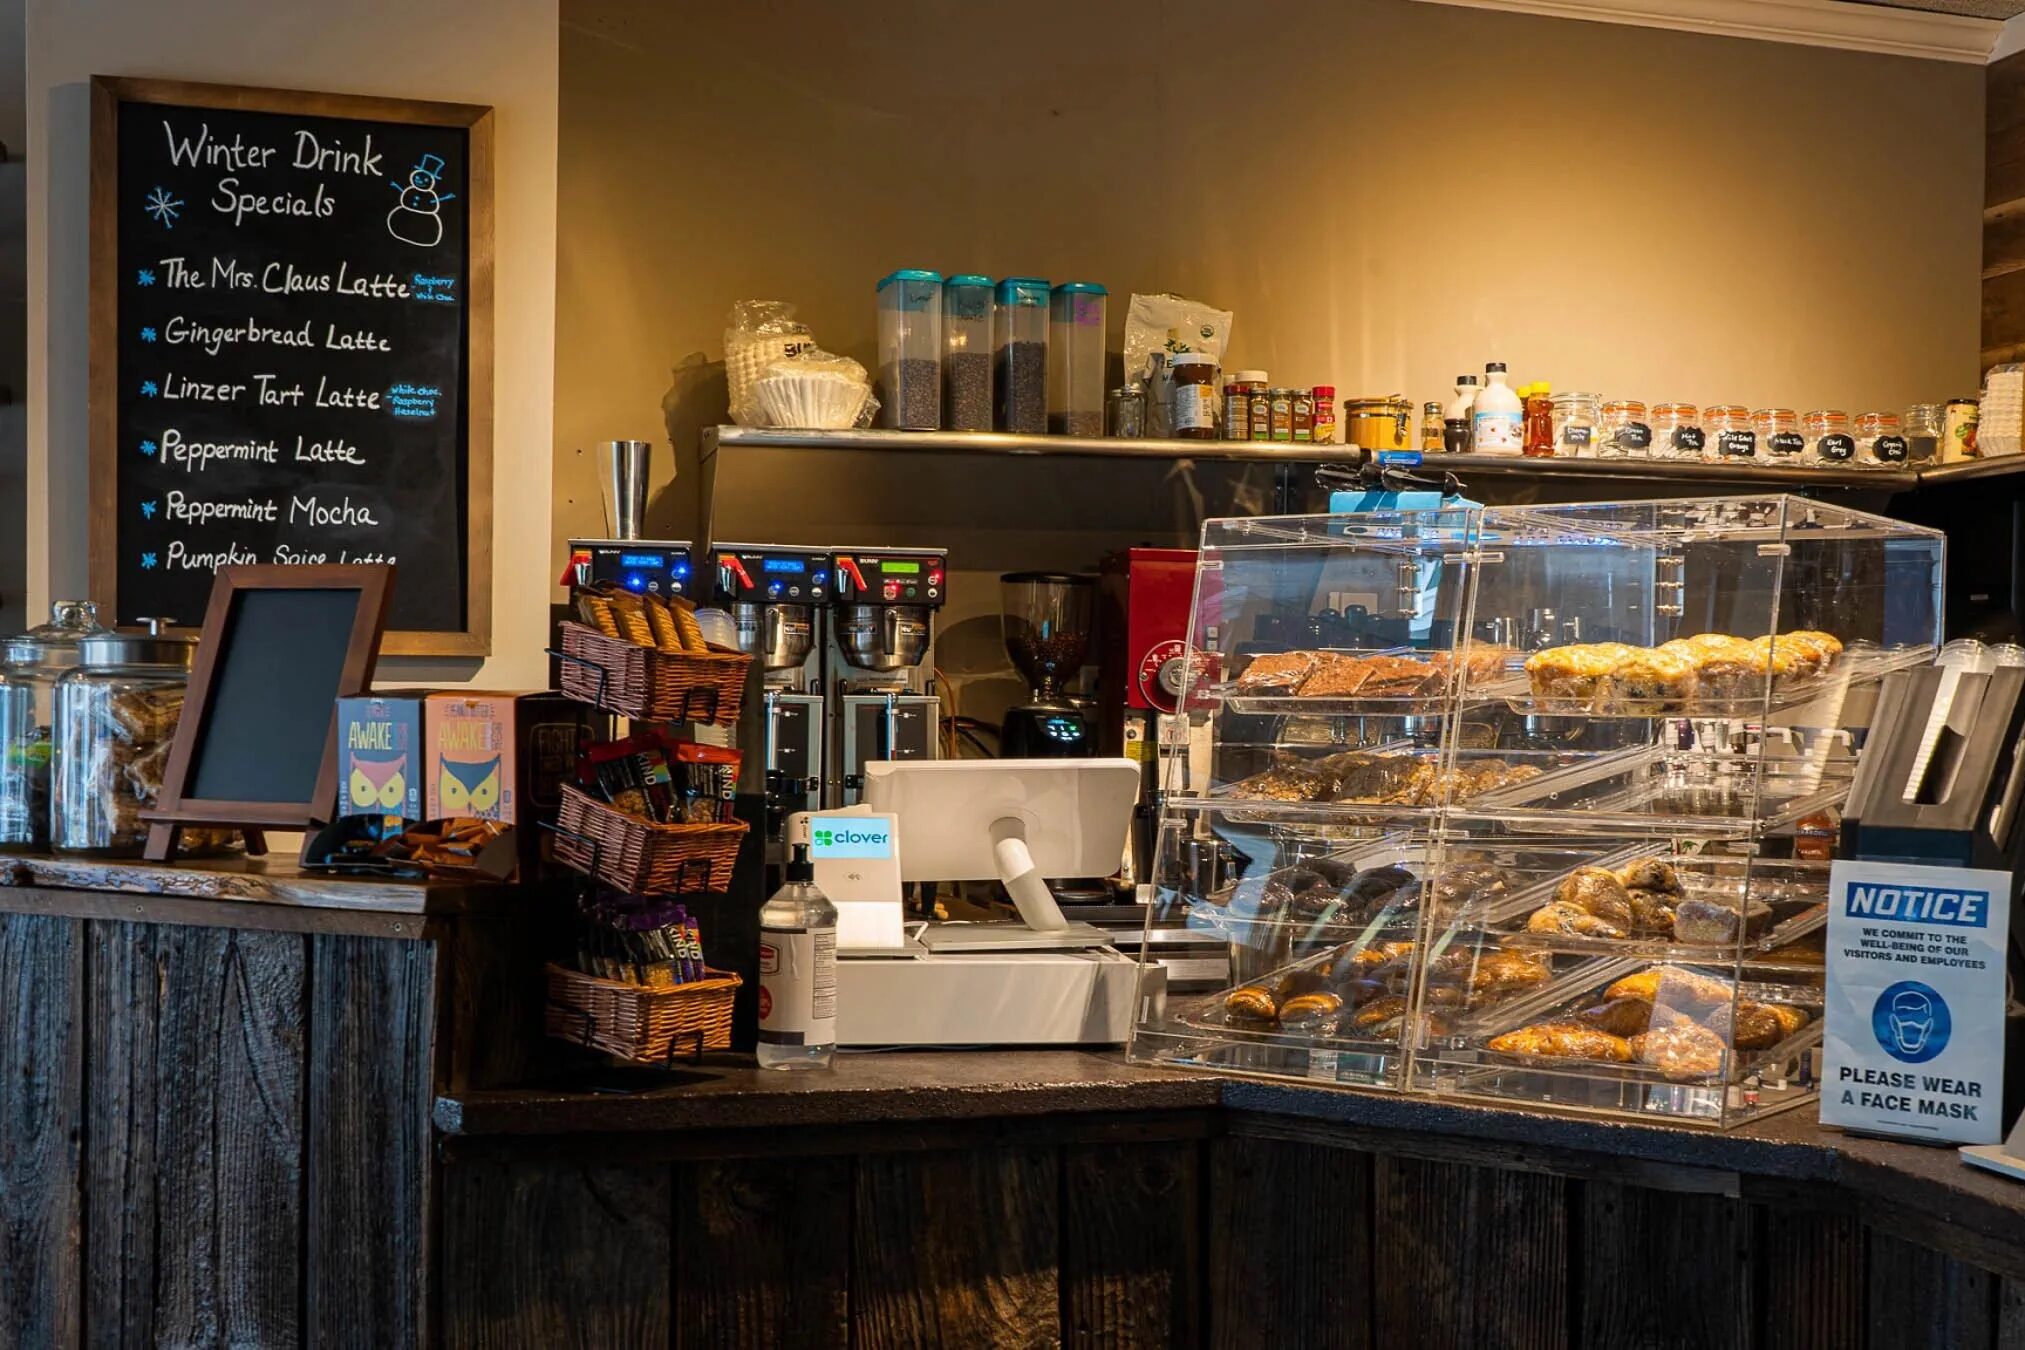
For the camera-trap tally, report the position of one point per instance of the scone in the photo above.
(1682, 1050)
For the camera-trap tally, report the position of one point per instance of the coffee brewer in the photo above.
(778, 596)
(649, 566)
(881, 666)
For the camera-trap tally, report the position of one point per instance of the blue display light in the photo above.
(636, 582)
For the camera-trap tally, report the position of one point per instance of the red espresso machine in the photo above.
(1143, 599)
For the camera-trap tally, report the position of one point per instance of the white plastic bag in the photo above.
(1172, 323)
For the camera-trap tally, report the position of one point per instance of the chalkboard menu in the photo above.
(291, 348)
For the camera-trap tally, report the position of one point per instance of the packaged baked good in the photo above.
(1750, 1025)
(1276, 672)
(1618, 1016)
(1708, 921)
(1680, 1050)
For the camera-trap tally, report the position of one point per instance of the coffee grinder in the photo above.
(881, 661)
(779, 596)
(1047, 624)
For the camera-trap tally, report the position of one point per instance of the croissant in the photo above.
(1563, 1040)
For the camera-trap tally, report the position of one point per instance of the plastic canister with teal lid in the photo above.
(910, 350)
(1020, 330)
(966, 352)
(1076, 328)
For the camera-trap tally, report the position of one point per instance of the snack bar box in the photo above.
(498, 755)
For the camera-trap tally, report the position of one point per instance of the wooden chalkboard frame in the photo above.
(107, 93)
(173, 809)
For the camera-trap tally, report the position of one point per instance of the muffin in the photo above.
(1574, 678)
(1649, 680)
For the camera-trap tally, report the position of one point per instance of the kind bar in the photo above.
(706, 781)
(632, 774)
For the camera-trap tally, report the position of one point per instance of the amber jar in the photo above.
(1195, 396)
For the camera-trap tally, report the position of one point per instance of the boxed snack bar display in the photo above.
(380, 755)
(498, 756)
(1536, 852)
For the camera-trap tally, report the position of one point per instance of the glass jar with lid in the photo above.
(1924, 425)
(1828, 440)
(33, 662)
(1677, 431)
(1778, 432)
(1726, 433)
(1880, 444)
(116, 714)
(1625, 433)
(1577, 419)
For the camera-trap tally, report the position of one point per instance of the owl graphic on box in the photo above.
(469, 787)
(379, 784)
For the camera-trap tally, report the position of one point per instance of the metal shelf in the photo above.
(1772, 476)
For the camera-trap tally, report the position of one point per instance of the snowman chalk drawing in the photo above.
(418, 218)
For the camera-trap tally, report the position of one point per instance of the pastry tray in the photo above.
(1552, 763)
(1859, 665)
(1580, 987)
(1684, 792)
(1232, 697)
(1796, 890)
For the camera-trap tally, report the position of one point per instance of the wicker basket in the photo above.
(635, 1022)
(650, 684)
(640, 857)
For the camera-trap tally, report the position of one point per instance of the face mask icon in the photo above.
(1912, 1020)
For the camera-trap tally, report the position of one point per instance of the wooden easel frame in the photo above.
(476, 121)
(173, 809)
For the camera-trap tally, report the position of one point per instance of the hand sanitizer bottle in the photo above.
(798, 972)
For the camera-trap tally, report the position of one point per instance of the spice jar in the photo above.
(1280, 406)
(1577, 417)
(1958, 431)
(1430, 428)
(1379, 423)
(1076, 319)
(1778, 432)
(1828, 438)
(1677, 431)
(1195, 396)
(1325, 414)
(1244, 386)
(966, 353)
(1727, 434)
(1923, 426)
(1304, 415)
(34, 661)
(910, 350)
(1020, 330)
(1879, 443)
(1624, 432)
(116, 715)
(1125, 412)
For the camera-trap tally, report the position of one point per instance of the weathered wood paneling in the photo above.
(1665, 1271)
(555, 1255)
(41, 1058)
(1290, 1238)
(1131, 1244)
(763, 1253)
(207, 1250)
(1469, 1257)
(1810, 1270)
(956, 1249)
(369, 1073)
(1921, 1300)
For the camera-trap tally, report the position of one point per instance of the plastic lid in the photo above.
(1082, 288)
(799, 868)
(1328, 389)
(968, 279)
(908, 274)
(1191, 359)
(1250, 377)
(1542, 389)
(1494, 367)
(1465, 379)
(1022, 290)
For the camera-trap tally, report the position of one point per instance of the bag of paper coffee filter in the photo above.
(815, 390)
(757, 333)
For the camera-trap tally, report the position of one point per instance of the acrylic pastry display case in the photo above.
(1506, 802)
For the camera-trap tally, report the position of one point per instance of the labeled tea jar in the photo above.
(1577, 422)
(1624, 433)
(1778, 432)
(1727, 434)
(1677, 431)
(1879, 442)
(116, 715)
(33, 662)
(1828, 440)
(910, 350)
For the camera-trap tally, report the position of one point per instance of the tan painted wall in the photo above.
(497, 52)
(1385, 192)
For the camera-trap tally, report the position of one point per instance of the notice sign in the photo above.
(1914, 1041)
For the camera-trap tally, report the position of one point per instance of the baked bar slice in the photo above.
(1281, 671)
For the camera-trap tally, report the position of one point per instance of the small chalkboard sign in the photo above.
(291, 337)
(257, 744)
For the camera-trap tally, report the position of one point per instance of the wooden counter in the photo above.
(243, 1106)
